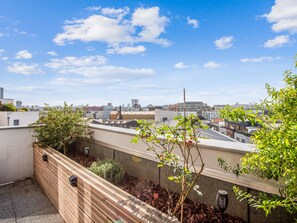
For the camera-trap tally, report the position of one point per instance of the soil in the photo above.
(158, 197)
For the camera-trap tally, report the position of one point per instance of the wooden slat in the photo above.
(105, 196)
(94, 199)
(64, 202)
(65, 189)
(64, 174)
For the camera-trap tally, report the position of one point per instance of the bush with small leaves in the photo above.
(110, 170)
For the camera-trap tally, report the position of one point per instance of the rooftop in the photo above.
(24, 202)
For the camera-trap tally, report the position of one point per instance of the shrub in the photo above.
(58, 127)
(110, 170)
(276, 146)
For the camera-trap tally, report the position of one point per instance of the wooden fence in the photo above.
(93, 199)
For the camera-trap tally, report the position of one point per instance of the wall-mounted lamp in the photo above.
(44, 157)
(222, 202)
(73, 181)
(86, 150)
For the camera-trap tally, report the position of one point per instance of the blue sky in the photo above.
(94, 52)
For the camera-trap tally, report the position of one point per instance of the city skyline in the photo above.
(95, 52)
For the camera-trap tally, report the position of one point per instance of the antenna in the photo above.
(184, 102)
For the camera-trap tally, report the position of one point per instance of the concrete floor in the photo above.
(25, 201)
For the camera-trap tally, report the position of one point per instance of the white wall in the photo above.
(3, 119)
(160, 114)
(241, 138)
(25, 118)
(16, 153)
(170, 115)
(120, 139)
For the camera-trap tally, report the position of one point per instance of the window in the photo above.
(16, 122)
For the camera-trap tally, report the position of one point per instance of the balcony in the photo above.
(17, 163)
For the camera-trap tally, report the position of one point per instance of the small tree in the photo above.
(165, 142)
(7, 107)
(60, 126)
(276, 146)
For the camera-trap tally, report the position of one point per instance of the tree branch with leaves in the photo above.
(58, 127)
(276, 146)
(166, 142)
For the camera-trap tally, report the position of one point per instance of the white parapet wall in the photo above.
(16, 153)
(120, 139)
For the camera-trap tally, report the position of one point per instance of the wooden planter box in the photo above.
(93, 199)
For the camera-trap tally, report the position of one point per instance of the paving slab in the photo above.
(25, 202)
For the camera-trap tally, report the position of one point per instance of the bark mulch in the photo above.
(159, 198)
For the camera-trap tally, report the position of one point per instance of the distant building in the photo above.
(135, 104)
(218, 107)
(6, 101)
(210, 115)
(131, 115)
(164, 116)
(1, 93)
(197, 106)
(17, 118)
(241, 131)
(106, 111)
(18, 104)
(172, 107)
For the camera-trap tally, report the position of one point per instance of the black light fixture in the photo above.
(73, 181)
(86, 151)
(222, 202)
(44, 157)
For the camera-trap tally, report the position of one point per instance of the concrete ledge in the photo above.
(119, 139)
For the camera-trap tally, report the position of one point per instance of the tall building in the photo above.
(134, 102)
(1, 93)
(18, 104)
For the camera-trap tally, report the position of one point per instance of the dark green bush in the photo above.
(108, 169)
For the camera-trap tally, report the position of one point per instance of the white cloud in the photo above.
(278, 41)
(283, 15)
(70, 62)
(102, 75)
(182, 65)
(95, 28)
(2, 51)
(152, 25)
(145, 25)
(127, 50)
(91, 48)
(224, 43)
(93, 8)
(4, 58)
(26, 69)
(92, 70)
(109, 72)
(52, 53)
(212, 64)
(259, 59)
(193, 22)
(115, 13)
(23, 54)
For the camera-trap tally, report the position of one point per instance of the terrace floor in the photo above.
(25, 201)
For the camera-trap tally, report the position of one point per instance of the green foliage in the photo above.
(276, 145)
(7, 107)
(167, 142)
(60, 126)
(23, 109)
(110, 170)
